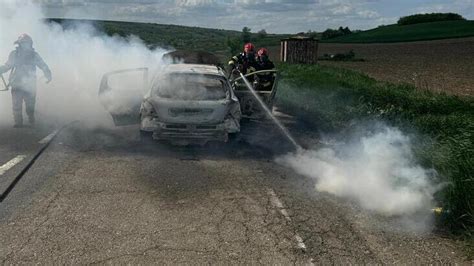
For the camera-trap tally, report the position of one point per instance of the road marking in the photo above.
(276, 202)
(279, 205)
(9, 165)
(300, 241)
(48, 138)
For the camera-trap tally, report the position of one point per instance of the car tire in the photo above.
(236, 138)
(146, 136)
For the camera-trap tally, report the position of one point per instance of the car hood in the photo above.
(193, 112)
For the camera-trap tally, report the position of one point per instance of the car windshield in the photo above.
(190, 87)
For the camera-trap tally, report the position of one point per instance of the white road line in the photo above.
(48, 138)
(279, 205)
(9, 165)
(300, 241)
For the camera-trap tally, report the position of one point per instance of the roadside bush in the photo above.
(423, 18)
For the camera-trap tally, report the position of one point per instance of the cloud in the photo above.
(369, 14)
(342, 10)
(195, 3)
(281, 16)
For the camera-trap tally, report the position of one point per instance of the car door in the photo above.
(249, 105)
(121, 93)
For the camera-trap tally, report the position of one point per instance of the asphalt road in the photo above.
(101, 196)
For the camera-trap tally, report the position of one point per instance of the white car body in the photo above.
(185, 103)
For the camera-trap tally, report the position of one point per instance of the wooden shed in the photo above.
(299, 50)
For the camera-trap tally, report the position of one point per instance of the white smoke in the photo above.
(378, 171)
(77, 57)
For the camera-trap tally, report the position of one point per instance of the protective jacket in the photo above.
(246, 62)
(265, 81)
(23, 62)
(265, 65)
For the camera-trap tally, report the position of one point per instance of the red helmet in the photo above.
(262, 51)
(249, 47)
(24, 38)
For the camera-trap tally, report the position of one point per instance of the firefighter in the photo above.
(23, 62)
(264, 81)
(245, 61)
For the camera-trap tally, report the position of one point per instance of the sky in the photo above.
(275, 16)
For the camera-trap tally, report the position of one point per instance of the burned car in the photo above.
(185, 104)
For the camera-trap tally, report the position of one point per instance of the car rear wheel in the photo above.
(146, 136)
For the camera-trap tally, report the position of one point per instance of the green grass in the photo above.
(415, 32)
(333, 98)
(177, 37)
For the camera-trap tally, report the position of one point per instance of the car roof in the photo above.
(194, 68)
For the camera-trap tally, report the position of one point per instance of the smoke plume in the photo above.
(77, 56)
(377, 170)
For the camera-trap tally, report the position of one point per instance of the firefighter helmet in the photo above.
(24, 38)
(262, 51)
(249, 47)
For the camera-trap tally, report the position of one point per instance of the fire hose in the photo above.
(283, 129)
(4, 83)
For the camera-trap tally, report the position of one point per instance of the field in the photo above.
(439, 66)
(415, 32)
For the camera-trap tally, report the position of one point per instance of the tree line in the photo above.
(431, 17)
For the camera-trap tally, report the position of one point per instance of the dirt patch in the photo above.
(439, 66)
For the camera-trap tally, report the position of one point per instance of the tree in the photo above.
(233, 44)
(330, 33)
(423, 18)
(346, 31)
(312, 34)
(246, 34)
(262, 33)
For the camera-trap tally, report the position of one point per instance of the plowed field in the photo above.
(440, 66)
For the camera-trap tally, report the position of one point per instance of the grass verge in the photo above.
(333, 98)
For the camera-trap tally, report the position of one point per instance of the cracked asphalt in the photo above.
(99, 196)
